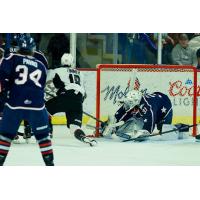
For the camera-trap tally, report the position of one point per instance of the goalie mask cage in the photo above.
(179, 83)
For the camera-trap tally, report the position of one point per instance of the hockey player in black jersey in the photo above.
(139, 114)
(70, 93)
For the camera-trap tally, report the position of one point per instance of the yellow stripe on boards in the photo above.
(177, 119)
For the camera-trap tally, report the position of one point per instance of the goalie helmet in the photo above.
(67, 59)
(133, 98)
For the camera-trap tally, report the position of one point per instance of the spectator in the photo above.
(1, 53)
(37, 38)
(168, 44)
(58, 45)
(198, 58)
(150, 47)
(195, 42)
(140, 49)
(182, 53)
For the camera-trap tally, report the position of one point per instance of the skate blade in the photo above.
(91, 143)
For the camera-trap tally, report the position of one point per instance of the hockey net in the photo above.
(178, 82)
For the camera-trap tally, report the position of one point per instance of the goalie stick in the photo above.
(165, 132)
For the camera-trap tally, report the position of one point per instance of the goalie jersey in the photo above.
(154, 109)
(24, 77)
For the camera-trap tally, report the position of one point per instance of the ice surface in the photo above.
(109, 152)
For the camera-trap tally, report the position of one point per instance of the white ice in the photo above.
(109, 152)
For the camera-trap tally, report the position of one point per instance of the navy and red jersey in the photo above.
(24, 77)
(41, 57)
(36, 54)
(154, 108)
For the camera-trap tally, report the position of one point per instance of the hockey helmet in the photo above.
(67, 59)
(26, 43)
(133, 98)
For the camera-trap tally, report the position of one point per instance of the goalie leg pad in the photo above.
(131, 125)
(142, 133)
(130, 128)
(123, 135)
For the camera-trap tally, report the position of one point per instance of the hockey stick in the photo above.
(165, 132)
(98, 120)
(51, 95)
(93, 127)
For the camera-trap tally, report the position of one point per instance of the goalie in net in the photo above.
(139, 114)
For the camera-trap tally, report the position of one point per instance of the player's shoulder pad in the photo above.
(39, 52)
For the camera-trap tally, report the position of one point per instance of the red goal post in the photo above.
(178, 82)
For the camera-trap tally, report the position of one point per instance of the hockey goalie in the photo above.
(139, 114)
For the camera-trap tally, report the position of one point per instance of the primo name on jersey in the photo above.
(30, 62)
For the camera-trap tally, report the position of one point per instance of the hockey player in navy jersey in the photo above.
(139, 114)
(1, 53)
(68, 84)
(24, 77)
(2, 95)
(36, 54)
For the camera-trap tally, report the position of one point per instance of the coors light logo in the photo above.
(179, 88)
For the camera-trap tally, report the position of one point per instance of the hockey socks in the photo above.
(5, 143)
(46, 151)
